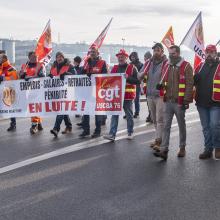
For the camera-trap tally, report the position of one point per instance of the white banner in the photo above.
(103, 94)
(194, 38)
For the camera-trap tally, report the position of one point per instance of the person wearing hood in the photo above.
(152, 71)
(178, 94)
(61, 67)
(207, 83)
(136, 62)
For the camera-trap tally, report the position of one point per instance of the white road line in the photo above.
(72, 148)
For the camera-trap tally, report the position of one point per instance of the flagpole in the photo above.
(190, 28)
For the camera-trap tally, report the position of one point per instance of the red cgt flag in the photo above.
(168, 39)
(44, 46)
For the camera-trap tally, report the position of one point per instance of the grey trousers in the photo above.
(156, 107)
(171, 109)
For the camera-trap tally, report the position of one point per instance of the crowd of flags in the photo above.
(194, 40)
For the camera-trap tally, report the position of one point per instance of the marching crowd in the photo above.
(170, 84)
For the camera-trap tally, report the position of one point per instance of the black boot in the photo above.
(84, 134)
(205, 155)
(11, 128)
(40, 127)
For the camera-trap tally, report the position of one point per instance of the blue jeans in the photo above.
(128, 108)
(210, 121)
(137, 99)
(13, 122)
(98, 123)
(59, 120)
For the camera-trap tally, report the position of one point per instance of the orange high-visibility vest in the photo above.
(97, 69)
(31, 71)
(130, 90)
(54, 71)
(8, 71)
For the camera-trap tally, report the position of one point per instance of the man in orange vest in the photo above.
(33, 69)
(130, 92)
(207, 83)
(94, 65)
(8, 72)
(61, 67)
(178, 94)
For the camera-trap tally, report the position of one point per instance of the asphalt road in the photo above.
(69, 178)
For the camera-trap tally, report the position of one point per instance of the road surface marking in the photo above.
(73, 148)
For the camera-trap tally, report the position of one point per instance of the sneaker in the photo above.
(67, 130)
(205, 155)
(54, 132)
(34, 129)
(109, 137)
(40, 128)
(130, 136)
(95, 135)
(124, 116)
(217, 153)
(162, 154)
(77, 116)
(11, 128)
(84, 134)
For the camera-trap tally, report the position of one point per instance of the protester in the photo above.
(136, 62)
(61, 67)
(93, 65)
(147, 56)
(207, 83)
(76, 62)
(178, 94)
(153, 69)
(130, 91)
(7, 73)
(33, 69)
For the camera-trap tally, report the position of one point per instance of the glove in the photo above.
(89, 74)
(185, 107)
(1, 79)
(159, 86)
(51, 76)
(23, 76)
(62, 76)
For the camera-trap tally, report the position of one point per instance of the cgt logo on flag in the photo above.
(109, 93)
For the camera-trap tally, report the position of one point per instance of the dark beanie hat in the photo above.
(59, 54)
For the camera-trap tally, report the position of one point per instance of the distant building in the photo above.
(9, 47)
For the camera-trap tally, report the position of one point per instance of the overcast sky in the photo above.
(140, 22)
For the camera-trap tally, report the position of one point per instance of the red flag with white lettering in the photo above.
(44, 46)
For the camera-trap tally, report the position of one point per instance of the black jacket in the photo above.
(204, 85)
(131, 79)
